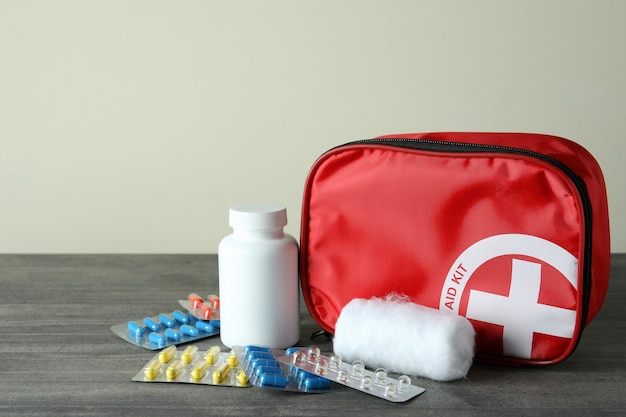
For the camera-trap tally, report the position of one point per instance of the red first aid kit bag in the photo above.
(510, 230)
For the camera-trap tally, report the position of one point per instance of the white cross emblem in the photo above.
(520, 313)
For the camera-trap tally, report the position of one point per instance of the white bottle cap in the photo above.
(257, 216)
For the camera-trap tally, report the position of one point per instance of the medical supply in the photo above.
(265, 371)
(355, 375)
(261, 259)
(200, 308)
(166, 329)
(510, 230)
(192, 366)
(427, 342)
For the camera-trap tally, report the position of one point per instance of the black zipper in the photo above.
(461, 147)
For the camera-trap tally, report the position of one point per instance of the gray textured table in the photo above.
(59, 357)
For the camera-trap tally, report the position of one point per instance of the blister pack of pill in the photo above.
(265, 371)
(166, 329)
(200, 308)
(192, 366)
(354, 375)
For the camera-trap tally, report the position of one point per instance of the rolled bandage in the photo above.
(405, 338)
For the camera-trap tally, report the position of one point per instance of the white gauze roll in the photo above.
(405, 338)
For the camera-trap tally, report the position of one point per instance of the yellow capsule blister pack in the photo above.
(355, 375)
(191, 366)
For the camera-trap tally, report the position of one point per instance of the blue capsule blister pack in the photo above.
(265, 371)
(192, 366)
(355, 375)
(166, 329)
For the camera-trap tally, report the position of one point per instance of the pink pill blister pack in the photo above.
(200, 308)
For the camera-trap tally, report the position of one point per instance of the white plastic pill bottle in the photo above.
(258, 279)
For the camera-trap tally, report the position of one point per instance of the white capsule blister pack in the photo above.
(191, 366)
(355, 375)
(200, 308)
(166, 329)
(265, 371)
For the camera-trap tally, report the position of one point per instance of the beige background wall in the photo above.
(132, 126)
